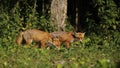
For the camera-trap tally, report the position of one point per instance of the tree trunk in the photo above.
(58, 13)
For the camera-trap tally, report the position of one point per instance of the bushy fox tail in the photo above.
(19, 38)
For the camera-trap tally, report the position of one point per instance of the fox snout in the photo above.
(50, 41)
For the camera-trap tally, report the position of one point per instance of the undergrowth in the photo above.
(92, 52)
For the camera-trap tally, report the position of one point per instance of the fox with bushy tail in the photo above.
(31, 35)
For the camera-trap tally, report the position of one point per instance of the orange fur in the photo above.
(79, 36)
(63, 37)
(66, 37)
(56, 41)
(34, 35)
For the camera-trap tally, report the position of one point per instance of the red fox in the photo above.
(79, 36)
(34, 35)
(56, 42)
(66, 37)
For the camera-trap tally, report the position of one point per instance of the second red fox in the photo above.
(66, 37)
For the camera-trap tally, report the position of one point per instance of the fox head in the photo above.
(80, 35)
(50, 38)
(56, 41)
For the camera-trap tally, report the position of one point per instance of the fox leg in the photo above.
(42, 44)
(67, 44)
(58, 44)
(28, 42)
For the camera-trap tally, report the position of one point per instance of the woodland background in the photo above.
(100, 19)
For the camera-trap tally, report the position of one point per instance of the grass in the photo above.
(78, 56)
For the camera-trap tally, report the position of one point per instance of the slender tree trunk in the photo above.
(58, 13)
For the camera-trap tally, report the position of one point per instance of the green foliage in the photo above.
(109, 15)
(79, 55)
(98, 49)
(20, 17)
(105, 16)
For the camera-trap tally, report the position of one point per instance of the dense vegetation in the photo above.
(99, 49)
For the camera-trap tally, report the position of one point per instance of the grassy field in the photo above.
(86, 54)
